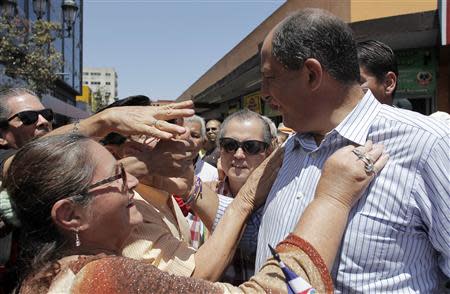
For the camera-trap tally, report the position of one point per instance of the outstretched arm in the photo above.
(215, 254)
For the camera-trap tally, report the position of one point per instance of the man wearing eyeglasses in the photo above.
(22, 118)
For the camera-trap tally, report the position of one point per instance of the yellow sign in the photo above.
(253, 102)
(86, 95)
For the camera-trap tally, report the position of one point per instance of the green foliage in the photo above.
(99, 99)
(28, 54)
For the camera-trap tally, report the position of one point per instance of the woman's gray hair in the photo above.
(201, 121)
(245, 115)
(43, 172)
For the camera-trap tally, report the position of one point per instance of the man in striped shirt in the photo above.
(398, 235)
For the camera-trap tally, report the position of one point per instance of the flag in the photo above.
(444, 17)
(295, 284)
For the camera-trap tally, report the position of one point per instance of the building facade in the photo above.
(411, 28)
(62, 98)
(85, 101)
(102, 80)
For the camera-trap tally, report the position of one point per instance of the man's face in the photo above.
(195, 129)
(18, 134)
(287, 90)
(238, 165)
(369, 81)
(212, 129)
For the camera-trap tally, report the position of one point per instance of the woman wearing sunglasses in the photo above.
(245, 141)
(75, 203)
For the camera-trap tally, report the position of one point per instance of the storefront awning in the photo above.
(63, 108)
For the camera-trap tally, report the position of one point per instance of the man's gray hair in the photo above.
(201, 121)
(5, 95)
(318, 34)
(245, 115)
(273, 127)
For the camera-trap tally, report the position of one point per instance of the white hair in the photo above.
(273, 127)
(201, 121)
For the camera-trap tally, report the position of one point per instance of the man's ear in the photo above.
(67, 215)
(390, 82)
(315, 73)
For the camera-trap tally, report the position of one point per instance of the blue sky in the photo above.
(159, 48)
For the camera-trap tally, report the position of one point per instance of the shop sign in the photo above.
(253, 102)
(417, 73)
(269, 111)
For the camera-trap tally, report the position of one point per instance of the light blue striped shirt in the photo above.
(398, 235)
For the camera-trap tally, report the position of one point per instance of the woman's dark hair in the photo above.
(42, 172)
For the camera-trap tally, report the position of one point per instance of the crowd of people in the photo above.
(351, 192)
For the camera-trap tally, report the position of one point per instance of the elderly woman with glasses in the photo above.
(77, 215)
(245, 140)
(75, 203)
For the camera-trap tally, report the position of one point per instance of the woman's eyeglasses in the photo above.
(29, 117)
(122, 174)
(251, 147)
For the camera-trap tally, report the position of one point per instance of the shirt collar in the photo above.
(355, 126)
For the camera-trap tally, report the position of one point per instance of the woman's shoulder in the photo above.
(58, 276)
(124, 275)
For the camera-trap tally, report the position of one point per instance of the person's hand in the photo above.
(255, 190)
(148, 120)
(344, 178)
(169, 158)
(179, 186)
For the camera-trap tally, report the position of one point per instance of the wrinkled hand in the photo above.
(344, 178)
(148, 120)
(175, 185)
(258, 185)
(169, 158)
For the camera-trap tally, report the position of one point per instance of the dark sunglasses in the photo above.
(122, 174)
(211, 129)
(251, 147)
(29, 117)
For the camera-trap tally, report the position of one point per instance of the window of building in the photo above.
(85, 74)
(108, 83)
(95, 83)
(86, 83)
(95, 74)
(107, 74)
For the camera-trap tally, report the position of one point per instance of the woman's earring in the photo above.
(77, 239)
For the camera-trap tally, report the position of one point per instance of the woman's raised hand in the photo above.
(348, 172)
(149, 120)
